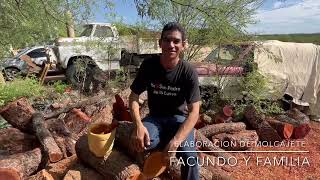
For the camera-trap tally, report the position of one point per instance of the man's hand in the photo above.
(140, 138)
(172, 146)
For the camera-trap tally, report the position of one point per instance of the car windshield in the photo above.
(87, 30)
(21, 52)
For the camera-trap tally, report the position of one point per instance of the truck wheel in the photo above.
(73, 77)
(11, 73)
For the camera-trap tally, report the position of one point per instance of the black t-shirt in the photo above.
(169, 91)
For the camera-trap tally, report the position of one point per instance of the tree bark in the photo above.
(238, 141)
(95, 99)
(299, 116)
(263, 128)
(44, 136)
(115, 165)
(285, 130)
(123, 137)
(214, 129)
(18, 113)
(21, 165)
(207, 145)
(14, 141)
(300, 128)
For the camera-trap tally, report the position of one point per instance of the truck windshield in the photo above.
(21, 52)
(87, 30)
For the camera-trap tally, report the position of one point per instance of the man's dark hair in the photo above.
(173, 26)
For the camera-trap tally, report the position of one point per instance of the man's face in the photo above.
(172, 44)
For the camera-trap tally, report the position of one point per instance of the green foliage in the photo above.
(206, 22)
(27, 23)
(299, 38)
(60, 86)
(254, 90)
(28, 87)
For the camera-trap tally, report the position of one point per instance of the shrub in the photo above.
(28, 87)
(59, 86)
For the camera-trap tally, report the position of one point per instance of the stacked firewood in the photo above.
(291, 125)
(37, 140)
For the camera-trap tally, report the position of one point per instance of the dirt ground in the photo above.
(304, 165)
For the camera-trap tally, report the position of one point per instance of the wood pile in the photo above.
(55, 146)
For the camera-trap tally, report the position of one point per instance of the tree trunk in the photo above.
(123, 137)
(238, 141)
(44, 136)
(263, 128)
(267, 133)
(70, 24)
(92, 100)
(300, 129)
(299, 116)
(207, 145)
(285, 130)
(115, 165)
(214, 129)
(18, 113)
(21, 165)
(14, 141)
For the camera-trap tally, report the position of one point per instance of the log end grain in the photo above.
(9, 174)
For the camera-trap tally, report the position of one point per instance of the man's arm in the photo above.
(189, 123)
(140, 136)
(134, 108)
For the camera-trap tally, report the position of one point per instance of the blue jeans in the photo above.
(161, 130)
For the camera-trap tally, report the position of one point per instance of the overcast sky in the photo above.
(274, 17)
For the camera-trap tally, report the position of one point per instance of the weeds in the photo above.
(28, 87)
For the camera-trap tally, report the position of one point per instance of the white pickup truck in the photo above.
(101, 45)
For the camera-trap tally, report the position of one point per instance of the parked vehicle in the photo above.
(101, 46)
(12, 67)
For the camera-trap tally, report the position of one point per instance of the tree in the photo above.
(206, 22)
(30, 22)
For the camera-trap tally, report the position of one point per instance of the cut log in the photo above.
(14, 141)
(49, 145)
(41, 175)
(204, 173)
(75, 123)
(287, 119)
(123, 136)
(285, 130)
(19, 114)
(253, 117)
(59, 169)
(209, 163)
(238, 141)
(21, 165)
(80, 171)
(207, 145)
(300, 129)
(267, 133)
(96, 99)
(263, 128)
(298, 115)
(115, 165)
(214, 129)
